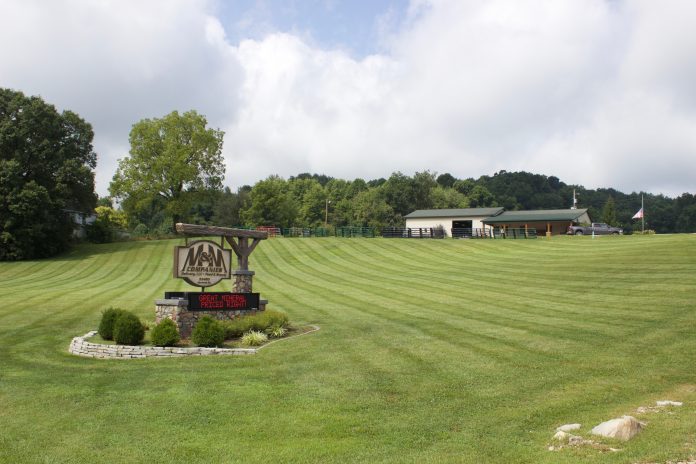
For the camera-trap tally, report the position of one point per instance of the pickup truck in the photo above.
(597, 228)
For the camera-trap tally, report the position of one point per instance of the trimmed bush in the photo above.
(237, 327)
(140, 230)
(165, 334)
(263, 321)
(271, 318)
(254, 338)
(106, 325)
(260, 322)
(208, 332)
(128, 330)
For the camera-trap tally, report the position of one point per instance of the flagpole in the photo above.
(642, 208)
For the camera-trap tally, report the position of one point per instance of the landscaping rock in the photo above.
(659, 406)
(561, 436)
(575, 440)
(623, 428)
(568, 428)
(668, 403)
(690, 461)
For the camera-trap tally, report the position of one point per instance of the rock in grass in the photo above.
(668, 403)
(568, 428)
(570, 439)
(623, 428)
(575, 440)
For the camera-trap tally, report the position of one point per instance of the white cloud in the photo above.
(595, 92)
(562, 88)
(116, 62)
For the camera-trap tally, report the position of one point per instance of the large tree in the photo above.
(272, 204)
(46, 170)
(609, 212)
(370, 209)
(170, 160)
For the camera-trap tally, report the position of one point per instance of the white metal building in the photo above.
(448, 219)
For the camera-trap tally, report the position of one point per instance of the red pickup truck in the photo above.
(597, 228)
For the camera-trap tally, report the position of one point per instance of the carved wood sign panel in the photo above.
(202, 263)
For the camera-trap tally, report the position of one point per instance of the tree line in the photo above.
(174, 173)
(316, 200)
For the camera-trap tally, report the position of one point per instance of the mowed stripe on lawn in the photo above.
(429, 350)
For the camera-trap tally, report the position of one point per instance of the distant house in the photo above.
(455, 222)
(80, 220)
(544, 221)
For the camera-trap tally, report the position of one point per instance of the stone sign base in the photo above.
(242, 281)
(185, 320)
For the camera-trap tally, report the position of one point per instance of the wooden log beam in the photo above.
(242, 249)
(196, 229)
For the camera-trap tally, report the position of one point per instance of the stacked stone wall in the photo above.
(81, 347)
(242, 281)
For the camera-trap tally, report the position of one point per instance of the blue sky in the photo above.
(595, 92)
(354, 26)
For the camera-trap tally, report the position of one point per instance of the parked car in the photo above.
(597, 228)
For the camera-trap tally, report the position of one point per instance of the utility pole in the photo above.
(642, 216)
(326, 214)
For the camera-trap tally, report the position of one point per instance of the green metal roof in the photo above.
(465, 212)
(541, 215)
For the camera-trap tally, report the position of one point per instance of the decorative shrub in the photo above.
(269, 318)
(254, 338)
(276, 331)
(237, 327)
(99, 232)
(128, 330)
(165, 334)
(259, 322)
(208, 332)
(140, 230)
(106, 325)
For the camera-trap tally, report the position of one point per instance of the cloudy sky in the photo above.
(596, 92)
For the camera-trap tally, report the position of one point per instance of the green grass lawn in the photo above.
(429, 351)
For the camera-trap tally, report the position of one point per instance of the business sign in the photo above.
(199, 301)
(202, 263)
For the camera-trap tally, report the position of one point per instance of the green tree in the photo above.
(686, 213)
(445, 198)
(106, 225)
(170, 159)
(356, 186)
(464, 186)
(609, 212)
(480, 197)
(310, 197)
(341, 194)
(423, 184)
(446, 180)
(105, 201)
(406, 194)
(272, 204)
(313, 207)
(46, 170)
(370, 209)
(228, 208)
(341, 213)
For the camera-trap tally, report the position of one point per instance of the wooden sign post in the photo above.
(239, 241)
(204, 263)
